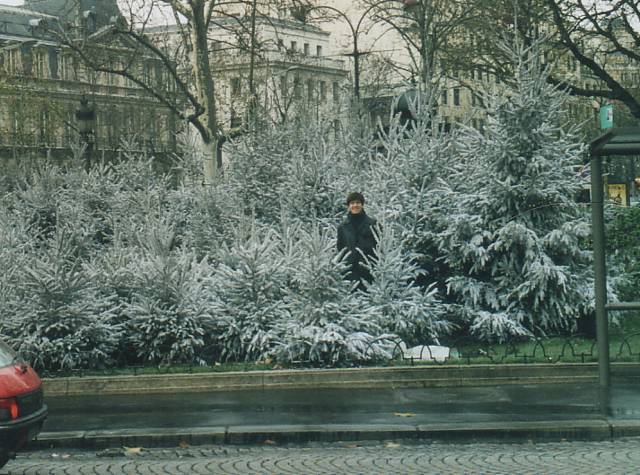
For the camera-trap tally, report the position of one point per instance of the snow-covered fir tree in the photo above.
(401, 182)
(59, 319)
(512, 234)
(287, 168)
(401, 307)
(255, 172)
(325, 323)
(248, 288)
(17, 247)
(204, 218)
(309, 192)
(169, 314)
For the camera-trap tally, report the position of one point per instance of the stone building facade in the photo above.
(293, 76)
(285, 69)
(42, 84)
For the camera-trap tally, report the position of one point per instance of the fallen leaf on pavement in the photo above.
(269, 442)
(132, 450)
(404, 414)
(183, 445)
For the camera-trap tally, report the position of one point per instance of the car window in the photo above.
(7, 355)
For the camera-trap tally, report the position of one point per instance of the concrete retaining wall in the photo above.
(395, 377)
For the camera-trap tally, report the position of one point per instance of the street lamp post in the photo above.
(86, 117)
(355, 34)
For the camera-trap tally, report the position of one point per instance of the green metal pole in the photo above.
(600, 280)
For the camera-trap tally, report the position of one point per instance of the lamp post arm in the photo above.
(355, 33)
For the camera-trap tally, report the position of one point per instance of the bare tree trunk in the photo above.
(211, 165)
(205, 90)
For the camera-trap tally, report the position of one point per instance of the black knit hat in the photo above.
(355, 196)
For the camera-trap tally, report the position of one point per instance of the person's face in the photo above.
(355, 207)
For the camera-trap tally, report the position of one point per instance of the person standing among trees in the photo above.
(356, 235)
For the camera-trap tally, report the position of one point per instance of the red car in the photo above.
(22, 409)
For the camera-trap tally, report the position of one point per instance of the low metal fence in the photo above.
(550, 349)
(462, 351)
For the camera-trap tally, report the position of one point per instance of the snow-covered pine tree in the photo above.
(248, 287)
(512, 234)
(114, 272)
(401, 182)
(204, 218)
(255, 172)
(59, 318)
(170, 309)
(17, 246)
(292, 167)
(325, 323)
(36, 198)
(311, 175)
(401, 307)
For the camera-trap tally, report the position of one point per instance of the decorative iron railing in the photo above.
(463, 351)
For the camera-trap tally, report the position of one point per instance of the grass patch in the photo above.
(624, 346)
(155, 370)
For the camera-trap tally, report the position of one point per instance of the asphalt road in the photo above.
(332, 406)
(391, 457)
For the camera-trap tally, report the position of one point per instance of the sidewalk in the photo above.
(491, 402)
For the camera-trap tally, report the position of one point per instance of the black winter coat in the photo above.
(356, 232)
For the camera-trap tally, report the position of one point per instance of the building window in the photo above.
(42, 65)
(236, 87)
(336, 92)
(456, 96)
(294, 46)
(310, 92)
(147, 73)
(53, 63)
(112, 129)
(14, 61)
(280, 43)
(43, 126)
(306, 49)
(319, 50)
(15, 122)
(297, 93)
(323, 91)
(444, 97)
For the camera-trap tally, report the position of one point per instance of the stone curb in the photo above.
(392, 377)
(596, 429)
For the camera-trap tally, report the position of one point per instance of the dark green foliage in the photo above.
(623, 245)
